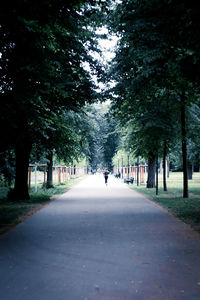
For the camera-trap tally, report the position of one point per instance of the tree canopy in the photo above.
(43, 51)
(156, 70)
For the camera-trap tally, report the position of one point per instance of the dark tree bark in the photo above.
(164, 167)
(184, 148)
(22, 152)
(50, 170)
(151, 171)
(190, 171)
(157, 175)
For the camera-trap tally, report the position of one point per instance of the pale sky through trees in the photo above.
(107, 46)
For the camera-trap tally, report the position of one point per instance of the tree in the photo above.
(44, 48)
(111, 140)
(102, 136)
(153, 57)
(64, 138)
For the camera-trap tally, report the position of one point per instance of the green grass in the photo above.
(186, 209)
(13, 212)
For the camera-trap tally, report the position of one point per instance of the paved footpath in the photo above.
(100, 243)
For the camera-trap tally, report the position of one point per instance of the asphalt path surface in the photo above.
(99, 242)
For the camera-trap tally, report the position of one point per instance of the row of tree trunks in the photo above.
(187, 169)
(22, 154)
(151, 174)
(153, 170)
(23, 149)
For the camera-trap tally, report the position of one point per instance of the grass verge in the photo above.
(186, 209)
(14, 212)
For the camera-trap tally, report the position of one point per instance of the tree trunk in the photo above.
(157, 175)
(22, 152)
(164, 167)
(151, 171)
(168, 166)
(184, 148)
(190, 171)
(50, 170)
(161, 167)
(138, 171)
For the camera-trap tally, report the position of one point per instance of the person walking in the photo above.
(106, 173)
